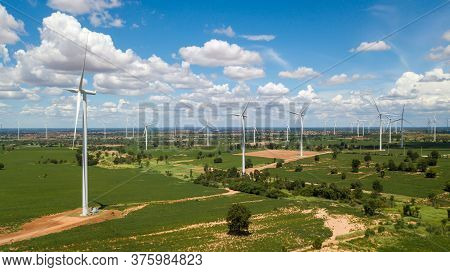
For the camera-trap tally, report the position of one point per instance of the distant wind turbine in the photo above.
(242, 116)
(300, 115)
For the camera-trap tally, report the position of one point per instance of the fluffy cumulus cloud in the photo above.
(272, 89)
(422, 91)
(4, 54)
(299, 73)
(219, 53)
(266, 38)
(10, 28)
(243, 73)
(372, 46)
(308, 95)
(344, 78)
(51, 64)
(97, 10)
(227, 31)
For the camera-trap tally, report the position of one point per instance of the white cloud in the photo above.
(439, 53)
(83, 6)
(10, 28)
(272, 89)
(4, 54)
(372, 46)
(344, 78)
(273, 56)
(308, 95)
(219, 53)
(105, 19)
(446, 35)
(266, 38)
(300, 72)
(228, 31)
(243, 73)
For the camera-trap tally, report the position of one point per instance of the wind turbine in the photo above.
(242, 116)
(254, 134)
(301, 115)
(334, 128)
(146, 136)
(380, 116)
(206, 128)
(288, 129)
(83, 93)
(104, 131)
(433, 121)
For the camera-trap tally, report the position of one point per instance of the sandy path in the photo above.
(339, 225)
(70, 219)
(291, 158)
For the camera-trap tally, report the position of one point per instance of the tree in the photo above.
(335, 153)
(431, 173)
(355, 165)
(218, 160)
(392, 166)
(377, 186)
(279, 164)
(412, 155)
(446, 188)
(2, 166)
(316, 158)
(422, 165)
(299, 168)
(382, 174)
(367, 158)
(238, 219)
(343, 175)
(434, 154)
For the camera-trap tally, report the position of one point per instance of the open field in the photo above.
(146, 208)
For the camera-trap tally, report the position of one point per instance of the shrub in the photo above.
(333, 171)
(218, 160)
(392, 166)
(432, 161)
(371, 206)
(355, 165)
(335, 153)
(369, 232)
(343, 175)
(279, 164)
(434, 154)
(316, 158)
(381, 229)
(422, 165)
(382, 174)
(446, 187)
(248, 163)
(317, 243)
(2, 166)
(355, 184)
(402, 167)
(377, 186)
(431, 173)
(238, 219)
(274, 193)
(367, 158)
(412, 155)
(298, 168)
(377, 167)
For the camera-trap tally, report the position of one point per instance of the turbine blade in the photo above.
(305, 108)
(76, 119)
(245, 109)
(84, 65)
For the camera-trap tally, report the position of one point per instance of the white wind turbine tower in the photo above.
(104, 130)
(83, 93)
(288, 129)
(146, 136)
(206, 128)
(433, 121)
(301, 115)
(380, 116)
(334, 128)
(242, 116)
(357, 127)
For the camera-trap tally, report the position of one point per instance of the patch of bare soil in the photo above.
(286, 155)
(339, 225)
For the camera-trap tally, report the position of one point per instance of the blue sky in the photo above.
(207, 52)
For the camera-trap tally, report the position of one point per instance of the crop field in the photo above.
(163, 210)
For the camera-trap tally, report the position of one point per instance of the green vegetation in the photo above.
(238, 220)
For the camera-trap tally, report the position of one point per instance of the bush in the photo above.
(432, 161)
(377, 167)
(382, 174)
(369, 232)
(218, 160)
(381, 229)
(279, 164)
(238, 219)
(2, 166)
(355, 165)
(298, 168)
(422, 165)
(377, 186)
(392, 166)
(367, 158)
(248, 163)
(274, 193)
(431, 173)
(371, 206)
(446, 187)
(333, 171)
(434, 154)
(317, 243)
(412, 155)
(316, 158)
(343, 175)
